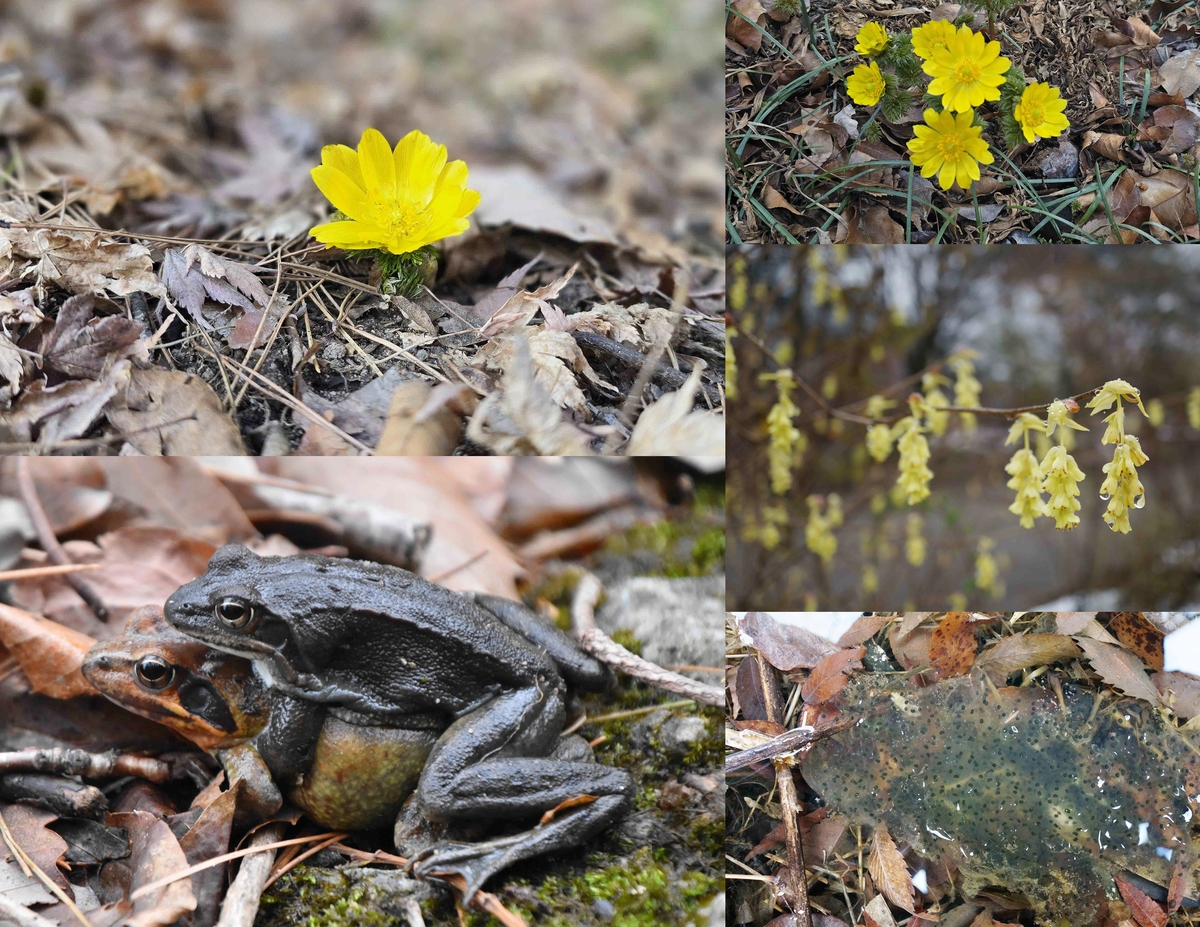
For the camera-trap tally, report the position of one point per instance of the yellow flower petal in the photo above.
(340, 190)
(418, 162)
(345, 159)
(347, 234)
(378, 166)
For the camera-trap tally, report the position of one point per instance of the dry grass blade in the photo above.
(1025, 650)
(887, 868)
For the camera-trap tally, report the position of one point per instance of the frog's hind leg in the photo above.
(504, 761)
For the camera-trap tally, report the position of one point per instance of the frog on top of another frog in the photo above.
(328, 637)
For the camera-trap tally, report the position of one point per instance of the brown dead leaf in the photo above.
(1139, 635)
(875, 226)
(206, 839)
(44, 846)
(169, 412)
(642, 325)
(516, 195)
(741, 31)
(1177, 888)
(424, 420)
(1022, 651)
(1180, 691)
(669, 426)
(829, 676)
(154, 854)
(1120, 669)
(49, 653)
(878, 914)
(1180, 75)
(773, 199)
(1142, 34)
(83, 261)
(1073, 622)
(889, 871)
(822, 837)
(58, 413)
(520, 308)
(952, 646)
(252, 331)
(81, 345)
(1106, 144)
(195, 273)
(1169, 193)
(785, 646)
(1145, 910)
(863, 629)
(12, 368)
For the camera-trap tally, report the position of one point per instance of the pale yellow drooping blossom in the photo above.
(915, 474)
(818, 532)
(730, 364)
(1193, 407)
(1121, 487)
(783, 434)
(987, 571)
(774, 517)
(879, 437)
(957, 602)
(870, 579)
(1156, 412)
(967, 389)
(1025, 471)
(1062, 474)
(934, 400)
(914, 543)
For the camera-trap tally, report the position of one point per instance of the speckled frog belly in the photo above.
(1036, 796)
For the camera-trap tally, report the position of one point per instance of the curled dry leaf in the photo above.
(49, 654)
(786, 646)
(12, 368)
(173, 413)
(1145, 910)
(521, 307)
(741, 31)
(1180, 75)
(424, 420)
(887, 868)
(82, 345)
(1180, 692)
(1022, 651)
(952, 645)
(195, 273)
(863, 629)
(1120, 669)
(669, 426)
(829, 676)
(155, 854)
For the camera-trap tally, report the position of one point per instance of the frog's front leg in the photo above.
(289, 740)
(493, 764)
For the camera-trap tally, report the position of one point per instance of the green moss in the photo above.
(628, 640)
(691, 544)
(310, 897)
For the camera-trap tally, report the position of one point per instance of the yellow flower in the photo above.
(818, 533)
(1193, 407)
(987, 571)
(935, 399)
(913, 481)
(730, 364)
(966, 388)
(784, 435)
(1058, 416)
(872, 38)
(1156, 412)
(879, 442)
(1062, 477)
(914, 544)
(397, 201)
(865, 84)
(1113, 392)
(1040, 112)
(1121, 486)
(949, 146)
(870, 579)
(1025, 471)
(968, 71)
(933, 35)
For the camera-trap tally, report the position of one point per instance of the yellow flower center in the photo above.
(399, 219)
(967, 71)
(951, 147)
(1034, 115)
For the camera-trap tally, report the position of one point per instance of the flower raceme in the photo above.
(967, 71)
(951, 147)
(396, 200)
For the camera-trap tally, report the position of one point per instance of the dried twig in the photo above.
(38, 572)
(69, 761)
(49, 542)
(604, 648)
(27, 865)
(241, 901)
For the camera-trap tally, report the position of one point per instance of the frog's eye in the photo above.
(234, 613)
(154, 672)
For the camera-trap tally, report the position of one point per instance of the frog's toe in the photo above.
(475, 862)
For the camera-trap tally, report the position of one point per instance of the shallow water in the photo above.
(1028, 795)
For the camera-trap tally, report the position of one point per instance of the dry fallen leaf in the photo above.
(878, 914)
(12, 368)
(887, 868)
(744, 32)
(829, 676)
(173, 413)
(521, 307)
(952, 645)
(1139, 635)
(49, 653)
(669, 426)
(424, 420)
(58, 413)
(81, 345)
(1180, 75)
(785, 646)
(1145, 910)
(195, 272)
(1022, 651)
(1120, 669)
(773, 199)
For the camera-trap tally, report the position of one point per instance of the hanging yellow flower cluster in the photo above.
(967, 389)
(915, 474)
(730, 364)
(783, 434)
(1193, 407)
(987, 570)
(935, 399)
(914, 543)
(1121, 486)
(1025, 470)
(1062, 475)
(879, 437)
(818, 531)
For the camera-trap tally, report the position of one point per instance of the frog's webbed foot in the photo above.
(478, 862)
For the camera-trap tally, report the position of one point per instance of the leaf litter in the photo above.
(185, 218)
(952, 768)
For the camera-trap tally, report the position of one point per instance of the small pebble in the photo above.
(604, 910)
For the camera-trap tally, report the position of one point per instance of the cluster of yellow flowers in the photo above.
(987, 570)
(1062, 475)
(1193, 407)
(967, 389)
(1121, 486)
(967, 71)
(818, 531)
(914, 543)
(914, 454)
(783, 434)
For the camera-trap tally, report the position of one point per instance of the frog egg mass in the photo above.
(1027, 794)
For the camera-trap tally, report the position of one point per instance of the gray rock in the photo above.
(678, 621)
(680, 734)
(715, 912)
(604, 910)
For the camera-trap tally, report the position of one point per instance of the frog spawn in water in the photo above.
(1041, 799)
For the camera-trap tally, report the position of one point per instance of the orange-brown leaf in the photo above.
(829, 676)
(952, 647)
(1177, 888)
(1022, 651)
(1145, 911)
(50, 654)
(1120, 669)
(1135, 632)
(887, 868)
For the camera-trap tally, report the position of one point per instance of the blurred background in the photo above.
(1046, 323)
(608, 110)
